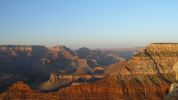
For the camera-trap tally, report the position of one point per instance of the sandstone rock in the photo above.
(54, 78)
(155, 59)
(20, 86)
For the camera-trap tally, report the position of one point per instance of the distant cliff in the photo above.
(35, 63)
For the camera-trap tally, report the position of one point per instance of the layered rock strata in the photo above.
(147, 76)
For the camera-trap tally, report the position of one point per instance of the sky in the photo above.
(88, 23)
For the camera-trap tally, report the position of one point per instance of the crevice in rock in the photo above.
(156, 67)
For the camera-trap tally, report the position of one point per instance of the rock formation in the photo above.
(98, 57)
(157, 58)
(53, 78)
(35, 63)
(15, 50)
(147, 76)
(64, 52)
(173, 94)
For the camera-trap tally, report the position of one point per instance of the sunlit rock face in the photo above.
(157, 58)
(61, 51)
(173, 91)
(175, 69)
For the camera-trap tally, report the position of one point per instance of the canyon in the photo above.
(34, 64)
(150, 74)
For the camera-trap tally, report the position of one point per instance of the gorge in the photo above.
(151, 74)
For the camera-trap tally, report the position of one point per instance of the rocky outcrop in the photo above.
(173, 94)
(98, 70)
(20, 86)
(115, 68)
(98, 57)
(157, 58)
(54, 78)
(84, 52)
(21, 91)
(62, 51)
(22, 50)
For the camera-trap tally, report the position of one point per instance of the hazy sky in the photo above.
(90, 23)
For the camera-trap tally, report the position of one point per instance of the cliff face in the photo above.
(22, 50)
(148, 75)
(62, 51)
(156, 59)
(100, 57)
(15, 50)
